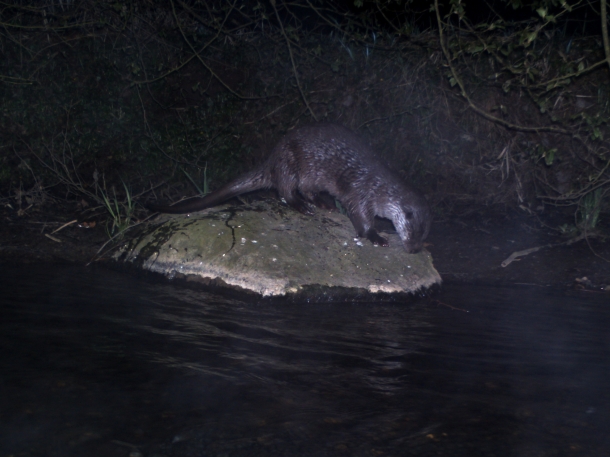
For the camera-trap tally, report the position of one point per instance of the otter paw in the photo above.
(375, 238)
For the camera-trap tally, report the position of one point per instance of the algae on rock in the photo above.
(272, 250)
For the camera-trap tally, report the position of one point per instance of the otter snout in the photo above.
(413, 247)
(412, 221)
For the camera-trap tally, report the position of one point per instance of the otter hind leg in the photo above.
(320, 200)
(325, 201)
(299, 203)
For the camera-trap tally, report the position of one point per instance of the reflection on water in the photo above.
(99, 364)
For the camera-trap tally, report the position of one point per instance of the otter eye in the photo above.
(409, 215)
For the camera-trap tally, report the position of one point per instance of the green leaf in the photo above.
(529, 37)
(530, 75)
(563, 82)
(549, 156)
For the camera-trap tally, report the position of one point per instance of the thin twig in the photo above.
(475, 107)
(294, 67)
(64, 226)
(198, 55)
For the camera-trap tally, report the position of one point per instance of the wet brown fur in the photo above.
(329, 158)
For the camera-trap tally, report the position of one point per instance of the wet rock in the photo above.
(272, 250)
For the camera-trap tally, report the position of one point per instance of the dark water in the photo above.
(95, 363)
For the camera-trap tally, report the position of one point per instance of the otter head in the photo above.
(412, 222)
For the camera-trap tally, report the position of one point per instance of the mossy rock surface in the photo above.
(272, 250)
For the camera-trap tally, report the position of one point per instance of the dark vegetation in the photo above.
(494, 106)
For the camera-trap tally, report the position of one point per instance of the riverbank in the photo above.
(468, 249)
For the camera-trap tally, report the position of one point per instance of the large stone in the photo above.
(271, 249)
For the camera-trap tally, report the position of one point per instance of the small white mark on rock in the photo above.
(359, 243)
(243, 241)
(254, 241)
(274, 246)
(274, 259)
(408, 266)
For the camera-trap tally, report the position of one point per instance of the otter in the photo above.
(330, 159)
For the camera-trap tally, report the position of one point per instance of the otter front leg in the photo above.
(376, 238)
(364, 228)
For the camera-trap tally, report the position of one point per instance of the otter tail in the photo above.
(253, 180)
